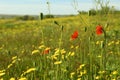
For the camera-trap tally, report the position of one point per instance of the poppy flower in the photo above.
(99, 30)
(74, 35)
(46, 51)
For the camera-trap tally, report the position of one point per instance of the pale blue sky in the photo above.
(34, 7)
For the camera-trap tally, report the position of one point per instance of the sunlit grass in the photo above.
(35, 50)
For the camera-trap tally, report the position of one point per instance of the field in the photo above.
(67, 48)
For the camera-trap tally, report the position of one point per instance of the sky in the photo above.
(35, 7)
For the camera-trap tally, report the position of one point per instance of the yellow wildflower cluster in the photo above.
(2, 73)
(80, 72)
(35, 52)
(99, 42)
(14, 59)
(110, 43)
(72, 74)
(28, 71)
(58, 62)
(101, 72)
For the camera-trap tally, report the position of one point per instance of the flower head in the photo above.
(74, 35)
(99, 30)
(46, 51)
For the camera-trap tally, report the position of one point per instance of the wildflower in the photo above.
(54, 57)
(79, 79)
(2, 70)
(1, 74)
(42, 46)
(14, 57)
(101, 72)
(46, 51)
(57, 51)
(35, 51)
(58, 62)
(114, 72)
(74, 35)
(81, 66)
(97, 77)
(73, 53)
(99, 56)
(98, 42)
(99, 30)
(28, 71)
(118, 42)
(23, 78)
(9, 65)
(12, 78)
(72, 74)
(1, 78)
(71, 46)
(63, 51)
(77, 47)
(63, 57)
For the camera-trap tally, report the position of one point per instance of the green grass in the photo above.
(67, 59)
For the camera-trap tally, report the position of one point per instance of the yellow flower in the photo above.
(81, 66)
(97, 77)
(35, 51)
(1, 71)
(82, 73)
(1, 78)
(42, 46)
(28, 71)
(13, 61)
(113, 42)
(99, 56)
(73, 53)
(101, 72)
(1, 74)
(58, 62)
(63, 51)
(71, 46)
(115, 72)
(57, 51)
(118, 42)
(79, 79)
(63, 57)
(23, 78)
(9, 66)
(12, 78)
(48, 48)
(77, 47)
(98, 42)
(54, 57)
(72, 74)
(15, 57)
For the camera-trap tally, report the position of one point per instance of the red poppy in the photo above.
(46, 51)
(99, 30)
(74, 35)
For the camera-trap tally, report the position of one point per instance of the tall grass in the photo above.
(44, 50)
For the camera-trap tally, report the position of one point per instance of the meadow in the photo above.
(66, 48)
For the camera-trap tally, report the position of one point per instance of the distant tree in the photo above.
(82, 12)
(25, 17)
(49, 16)
(92, 12)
